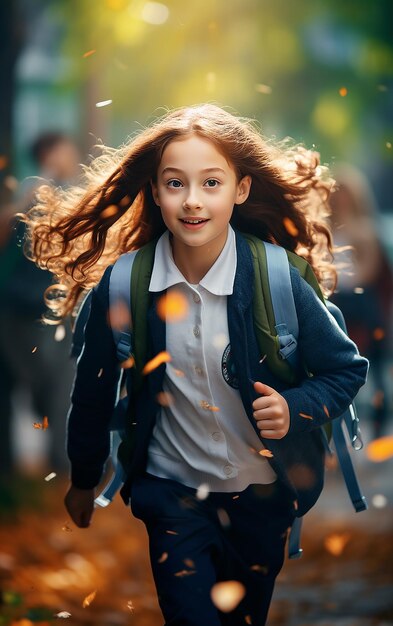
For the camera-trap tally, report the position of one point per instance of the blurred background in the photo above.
(75, 72)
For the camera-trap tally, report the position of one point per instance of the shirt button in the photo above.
(198, 370)
(196, 298)
(196, 331)
(216, 436)
(227, 470)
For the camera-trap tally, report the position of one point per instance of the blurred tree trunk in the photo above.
(11, 36)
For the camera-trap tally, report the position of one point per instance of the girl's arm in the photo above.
(338, 371)
(94, 394)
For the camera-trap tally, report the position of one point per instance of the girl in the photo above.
(195, 179)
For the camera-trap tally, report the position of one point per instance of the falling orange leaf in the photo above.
(307, 417)
(159, 359)
(267, 453)
(64, 614)
(171, 532)
(163, 557)
(3, 161)
(172, 307)
(130, 606)
(204, 404)
(34, 350)
(343, 91)
(110, 211)
(378, 334)
(88, 53)
(42, 426)
(235, 497)
(128, 363)
(380, 449)
(89, 599)
(164, 398)
(184, 572)
(259, 568)
(325, 410)
(227, 595)
(119, 315)
(295, 505)
(248, 619)
(100, 372)
(336, 543)
(189, 562)
(290, 227)
(378, 398)
(179, 373)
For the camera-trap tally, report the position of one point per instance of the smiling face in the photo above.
(196, 189)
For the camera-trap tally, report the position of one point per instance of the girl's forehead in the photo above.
(193, 149)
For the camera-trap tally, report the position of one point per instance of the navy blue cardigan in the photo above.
(298, 458)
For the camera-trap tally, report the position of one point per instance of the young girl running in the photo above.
(215, 418)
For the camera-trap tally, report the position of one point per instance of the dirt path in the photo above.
(47, 566)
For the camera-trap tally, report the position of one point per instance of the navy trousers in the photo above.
(196, 543)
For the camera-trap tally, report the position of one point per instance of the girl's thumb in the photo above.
(263, 390)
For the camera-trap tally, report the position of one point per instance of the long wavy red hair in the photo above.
(76, 233)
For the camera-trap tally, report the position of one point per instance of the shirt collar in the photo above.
(218, 280)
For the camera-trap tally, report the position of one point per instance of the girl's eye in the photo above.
(174, 183)
(212, 182)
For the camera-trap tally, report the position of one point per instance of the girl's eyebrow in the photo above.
(204, 171)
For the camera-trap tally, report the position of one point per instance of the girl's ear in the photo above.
(243, 189)
(154, 192)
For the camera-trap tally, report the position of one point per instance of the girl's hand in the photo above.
(271, 412)
(80, 505)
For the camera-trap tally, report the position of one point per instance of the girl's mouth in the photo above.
(193, 223)
(193, 220)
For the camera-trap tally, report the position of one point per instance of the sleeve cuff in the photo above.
(85, 478)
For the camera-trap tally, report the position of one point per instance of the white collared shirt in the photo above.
(204, 435)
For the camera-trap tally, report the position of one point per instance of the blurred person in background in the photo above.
(365, 283)
(34, 358)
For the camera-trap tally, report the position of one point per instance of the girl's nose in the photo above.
(192, 202)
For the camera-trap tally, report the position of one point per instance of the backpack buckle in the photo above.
(287, 341)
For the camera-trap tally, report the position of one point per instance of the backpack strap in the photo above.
(287, 327)
(120, 297)
(285, 316)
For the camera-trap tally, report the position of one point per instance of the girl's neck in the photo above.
(195, 262)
